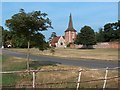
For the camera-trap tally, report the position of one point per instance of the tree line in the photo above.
(87, 37)
(110, 32)
(20, 41)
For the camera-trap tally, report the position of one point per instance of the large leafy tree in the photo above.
(100, 35)
(28, 25)
(19, 41)
(109, 32)
(112, 31)
(116, 28)
(39, 41)
(86, 37)
(6, 37)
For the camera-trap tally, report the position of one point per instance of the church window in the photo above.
(61, 43)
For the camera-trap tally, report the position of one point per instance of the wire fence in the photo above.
(78, 82)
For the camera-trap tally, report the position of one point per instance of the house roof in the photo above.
(55, 39)
(63, 37)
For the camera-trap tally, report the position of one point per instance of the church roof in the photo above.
(70, 25)
(55, 39)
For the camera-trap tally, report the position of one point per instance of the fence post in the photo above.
(105, 78)
(79, 76)
(33, 79)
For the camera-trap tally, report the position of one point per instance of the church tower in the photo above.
(70, 33)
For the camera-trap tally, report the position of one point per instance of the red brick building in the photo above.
(58, 41)
(70, 33)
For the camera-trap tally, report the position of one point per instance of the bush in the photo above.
(52, 50)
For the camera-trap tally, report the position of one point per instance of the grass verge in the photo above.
(97, 54)
(21, 79)
(18, 64)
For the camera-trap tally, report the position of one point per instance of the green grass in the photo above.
(11, 64)
(9, 79)
(18, 64)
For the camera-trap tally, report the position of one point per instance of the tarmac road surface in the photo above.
(66, 61)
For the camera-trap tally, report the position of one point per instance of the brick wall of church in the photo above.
(68, 37)
(75, 35)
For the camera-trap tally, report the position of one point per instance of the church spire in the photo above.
(70, 25)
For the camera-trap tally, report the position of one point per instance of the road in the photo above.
(65, 61)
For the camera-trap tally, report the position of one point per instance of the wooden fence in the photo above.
(78, 82)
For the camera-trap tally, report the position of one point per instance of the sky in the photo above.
(60, 0)
(94, 14)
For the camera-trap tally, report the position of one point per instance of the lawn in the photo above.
(18, 64)
(99, 53)
(20, 79)
(11, 64)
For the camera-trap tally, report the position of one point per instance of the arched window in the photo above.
(61, 43)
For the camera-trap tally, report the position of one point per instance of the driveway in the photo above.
(65, 61)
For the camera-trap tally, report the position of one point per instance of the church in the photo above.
(67, 39)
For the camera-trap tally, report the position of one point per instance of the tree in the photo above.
(19, 41)
(1, 29)
(43, 46)
(86, 37)
(116, 27)
(109, 32)
(28, 25)
(52, 50)
(100, 35)
(6, 37)
(52, 36)
(39, 41)
(112, 31)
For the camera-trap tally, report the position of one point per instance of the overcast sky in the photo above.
(94, 14)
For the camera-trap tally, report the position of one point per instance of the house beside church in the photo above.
(67, 39)
(58, 41)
